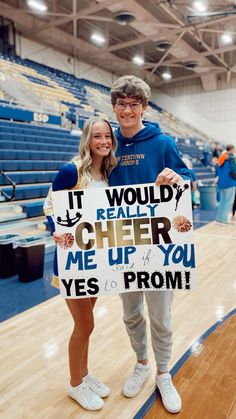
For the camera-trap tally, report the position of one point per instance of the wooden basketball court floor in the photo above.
(33, 348)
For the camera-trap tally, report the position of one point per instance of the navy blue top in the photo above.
(142, 157)
(66, 178)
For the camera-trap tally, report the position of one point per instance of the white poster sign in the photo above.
(124, 239)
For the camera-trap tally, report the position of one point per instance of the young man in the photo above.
(145, 155)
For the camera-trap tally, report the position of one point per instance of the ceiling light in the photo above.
(98, 38)
(200, 6)
(137, 59)
(166, 75)
(226, 38)
(38, 6)
(189, 65)
(124, 18)
(163, 45)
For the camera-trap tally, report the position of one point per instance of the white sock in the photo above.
(75, 388)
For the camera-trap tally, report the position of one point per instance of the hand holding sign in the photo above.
(168, 177)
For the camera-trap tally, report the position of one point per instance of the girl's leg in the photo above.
(82, 313)
(84, 370)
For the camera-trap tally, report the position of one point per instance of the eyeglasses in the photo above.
(134, 106)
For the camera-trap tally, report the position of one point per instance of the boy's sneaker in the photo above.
(96, 385)
(170, 396)
(135, 381)
(85, 397)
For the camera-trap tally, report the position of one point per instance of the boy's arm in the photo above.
(176, 170)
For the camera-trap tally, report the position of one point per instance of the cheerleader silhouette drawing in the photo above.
(179, 192)
(69, 222)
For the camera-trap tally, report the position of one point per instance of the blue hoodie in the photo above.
(142, 157)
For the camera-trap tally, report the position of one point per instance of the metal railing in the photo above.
(10, 181)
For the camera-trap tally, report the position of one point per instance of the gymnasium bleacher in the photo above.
(35, 143)
(30, 156)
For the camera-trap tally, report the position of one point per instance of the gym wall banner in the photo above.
(124, 239)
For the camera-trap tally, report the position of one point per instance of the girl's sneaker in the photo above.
(85, 396)
(96, 385)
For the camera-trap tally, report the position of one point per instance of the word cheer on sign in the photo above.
(124, 239)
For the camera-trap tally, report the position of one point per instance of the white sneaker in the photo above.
(170, 396)
(135, 381)
(85, 397)
(97, 386)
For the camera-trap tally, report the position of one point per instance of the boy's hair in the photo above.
(130, 86)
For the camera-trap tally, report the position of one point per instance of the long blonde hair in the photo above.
(84, 159)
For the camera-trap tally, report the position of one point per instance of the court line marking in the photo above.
(155, 395)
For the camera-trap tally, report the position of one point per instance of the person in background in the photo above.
(145, 155)
(226, 174)
(215, 155)
(217, 150)
(206, 154)
(89, 169)
(63, 119)
(194, 183)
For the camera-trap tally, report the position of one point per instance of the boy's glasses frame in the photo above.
(134, 106)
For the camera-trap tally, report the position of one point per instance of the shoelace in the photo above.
(93, 381)
(86, 391)
(167, 385)
(138, 372)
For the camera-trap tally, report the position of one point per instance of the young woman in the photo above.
(89, 169)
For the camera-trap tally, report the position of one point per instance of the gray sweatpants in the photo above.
(159, 310)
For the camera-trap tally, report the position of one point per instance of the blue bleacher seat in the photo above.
(33, 209)
(28, 191)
